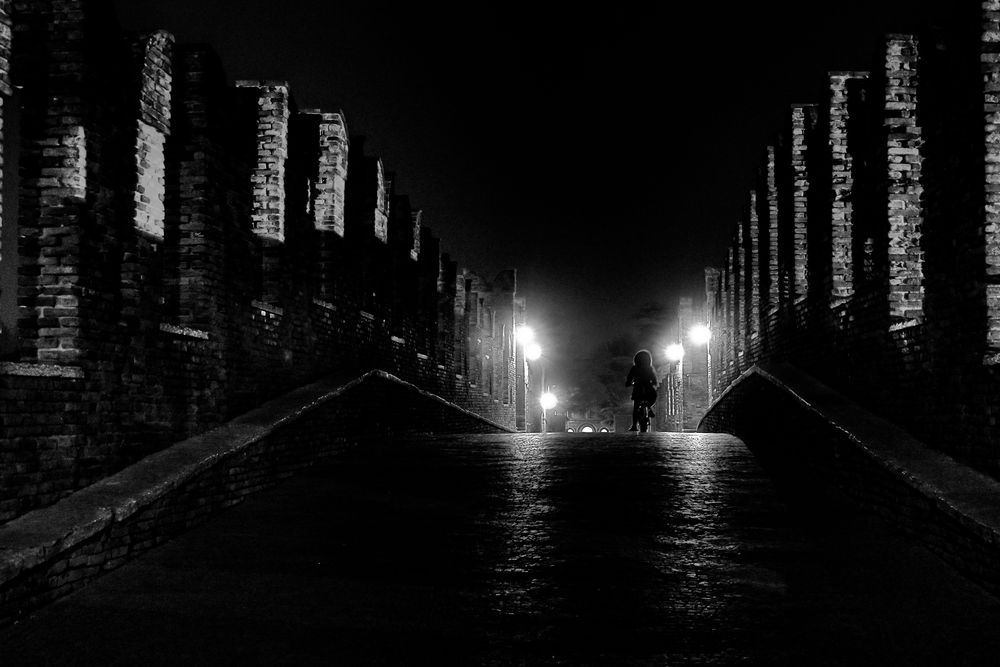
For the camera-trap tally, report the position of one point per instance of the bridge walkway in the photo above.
(518, 549)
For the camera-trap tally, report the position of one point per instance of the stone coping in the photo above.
(28, 369)
(36, 537)
(966, 495)
(189, 332)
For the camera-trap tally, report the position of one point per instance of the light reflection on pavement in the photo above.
(576, 549)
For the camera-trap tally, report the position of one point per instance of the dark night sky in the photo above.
(602, 153)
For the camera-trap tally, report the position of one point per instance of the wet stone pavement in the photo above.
(562, 549)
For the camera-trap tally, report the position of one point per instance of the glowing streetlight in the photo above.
(548, 401)
(675, 352)
(525, 337)
(532, 353)
(700, 334)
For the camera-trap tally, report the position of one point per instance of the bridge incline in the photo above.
(48, 553)
(526, 549)
(811, 435)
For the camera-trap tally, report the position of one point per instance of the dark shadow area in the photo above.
(816, 464)
(524, 549)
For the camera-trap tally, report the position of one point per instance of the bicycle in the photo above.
(643, 411)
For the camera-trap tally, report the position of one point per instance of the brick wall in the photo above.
(154, 126)
(774, 413)
(56, 551)
(189, 249)
(890, 181)
(803, 122)
(769, 217)
(903, 154)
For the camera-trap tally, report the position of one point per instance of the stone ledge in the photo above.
(325, 305)
(905, 324)
(31, 545)
(260, 83)
(25, 369)
(957, 495)
(184, 331)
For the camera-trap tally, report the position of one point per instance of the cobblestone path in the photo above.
(562, 549)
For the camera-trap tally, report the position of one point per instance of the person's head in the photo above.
(643, 358)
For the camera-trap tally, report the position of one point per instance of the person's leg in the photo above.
(635, 416)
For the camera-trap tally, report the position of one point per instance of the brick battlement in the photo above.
(187, 249)
(885, 236)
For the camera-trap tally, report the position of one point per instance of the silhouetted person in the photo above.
(642, 378)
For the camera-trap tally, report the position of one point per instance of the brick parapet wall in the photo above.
(428, 273)
(150, 159)
(44, 430)
(913, 339)
(203, 201)
(171, 336)
(818, 158)
(334, 152)
(738, 299)
(274, 109)
(381, 212)
(447, 327)
(52, 552)
(842, 182)
(5, 93)
(54, 155)
(756, 260)
(823, 450)
(769, 209)
(990, 69)
(893, 371)
(955, 249)
(803, 121)
(724, 334)
(155, 91)
(906, 275)
(6, 36)
(784, 229)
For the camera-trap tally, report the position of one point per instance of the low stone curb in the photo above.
(44, 537)
(965, 501)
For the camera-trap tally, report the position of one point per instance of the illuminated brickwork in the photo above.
(187, 249)
(892, 186)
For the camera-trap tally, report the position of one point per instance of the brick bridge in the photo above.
(433, 535)
(205, 301)
(177, 250)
